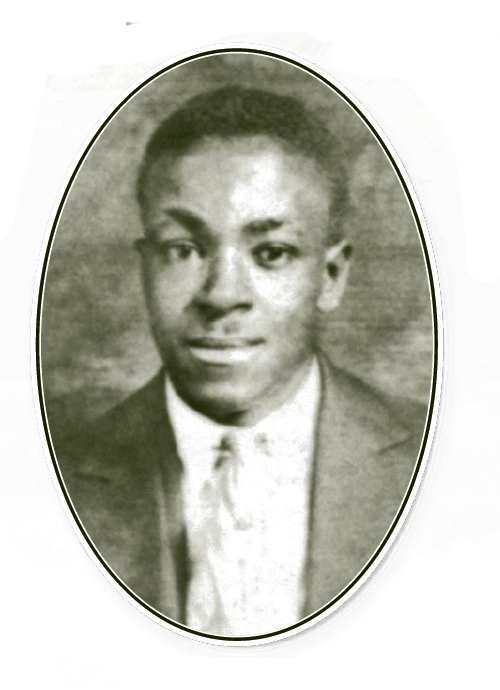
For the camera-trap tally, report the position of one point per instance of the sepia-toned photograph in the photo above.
(237, 345)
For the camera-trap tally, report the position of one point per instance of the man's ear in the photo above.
(335, 274)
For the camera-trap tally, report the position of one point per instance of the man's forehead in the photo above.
(260, 163)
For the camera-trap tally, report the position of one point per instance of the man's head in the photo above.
(239, 193)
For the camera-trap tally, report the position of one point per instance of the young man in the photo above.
(250, 481)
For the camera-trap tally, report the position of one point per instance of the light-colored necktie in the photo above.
(246, 578)
(219, 587)
(227, 469)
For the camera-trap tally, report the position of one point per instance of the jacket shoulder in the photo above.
(109, 440)
(375, 406)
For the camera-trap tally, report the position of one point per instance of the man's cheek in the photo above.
(292, 290)
(170, 299)
(291, 331)
(293, 304)
(283, 296)
(168, 303)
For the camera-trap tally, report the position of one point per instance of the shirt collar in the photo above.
(290, 427)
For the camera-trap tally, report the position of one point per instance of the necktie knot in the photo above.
(240, 444)
(227, 450)
(228, 470)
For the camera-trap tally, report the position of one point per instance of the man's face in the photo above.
(235, 264)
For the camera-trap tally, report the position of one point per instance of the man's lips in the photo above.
(215, 343)
(223, 351)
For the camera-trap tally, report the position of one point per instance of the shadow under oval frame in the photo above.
(386, 562)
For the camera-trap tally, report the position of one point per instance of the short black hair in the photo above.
(235, 111)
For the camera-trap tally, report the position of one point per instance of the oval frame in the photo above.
(437, 319)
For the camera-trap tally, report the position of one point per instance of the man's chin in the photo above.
(223, 402)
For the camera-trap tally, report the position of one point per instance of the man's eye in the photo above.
(179, 252)
(274, 255)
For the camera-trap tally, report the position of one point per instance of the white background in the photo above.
(434, 634)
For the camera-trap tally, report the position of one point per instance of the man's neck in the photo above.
(275, 397)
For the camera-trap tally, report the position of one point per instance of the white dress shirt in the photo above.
(247, 581)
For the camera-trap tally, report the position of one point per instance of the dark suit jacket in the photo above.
(124, 478)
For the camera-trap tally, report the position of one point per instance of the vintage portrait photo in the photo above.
(237, 348)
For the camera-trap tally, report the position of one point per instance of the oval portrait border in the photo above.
(435, 300)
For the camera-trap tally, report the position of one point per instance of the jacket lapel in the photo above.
(352, 501)
(130, 500)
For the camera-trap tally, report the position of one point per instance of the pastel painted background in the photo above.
(467, 506)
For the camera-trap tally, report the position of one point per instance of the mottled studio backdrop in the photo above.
(96, 346)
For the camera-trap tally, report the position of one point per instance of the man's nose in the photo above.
(226, 284)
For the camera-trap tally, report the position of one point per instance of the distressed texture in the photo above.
(96, 346)
(467, 507)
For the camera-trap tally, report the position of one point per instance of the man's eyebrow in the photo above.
(184, 217)
(194, 223)
(258, 227)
